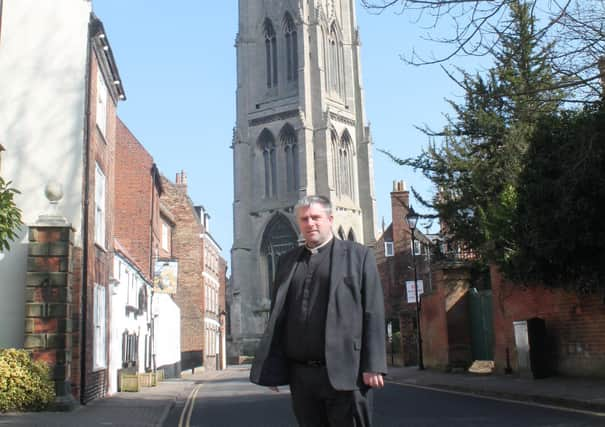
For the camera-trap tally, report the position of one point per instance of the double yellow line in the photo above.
(188, 409)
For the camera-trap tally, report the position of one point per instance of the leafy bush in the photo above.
(25, 385)
(10, 215)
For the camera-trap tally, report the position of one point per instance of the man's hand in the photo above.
(373, 379)
(275, 389)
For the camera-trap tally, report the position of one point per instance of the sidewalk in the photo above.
(575, 393)
(148, 407)
(151, 406)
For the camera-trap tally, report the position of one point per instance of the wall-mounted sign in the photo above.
(409, 286)
(165, 274)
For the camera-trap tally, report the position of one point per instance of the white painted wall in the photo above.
(125, 294)
(167, 330)
(42, 104)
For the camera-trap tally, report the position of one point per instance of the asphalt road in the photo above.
(230, 400)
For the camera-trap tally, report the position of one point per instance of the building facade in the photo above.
(213, 318)
(60, 89)
(395, 257)
(199, 275)
(300, 130)
(139, 310)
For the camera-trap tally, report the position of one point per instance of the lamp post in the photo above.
(412, 219)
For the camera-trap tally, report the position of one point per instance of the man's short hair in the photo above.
(307, 201)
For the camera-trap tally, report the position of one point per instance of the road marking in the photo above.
(188, 408)
(501, 399)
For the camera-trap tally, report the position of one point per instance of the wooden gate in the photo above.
(482, 330)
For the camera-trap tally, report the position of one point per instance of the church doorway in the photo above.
(278, 238)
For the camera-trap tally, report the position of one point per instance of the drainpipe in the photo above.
(151, 272)
(85, 240)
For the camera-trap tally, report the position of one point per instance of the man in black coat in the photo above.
(326, 333)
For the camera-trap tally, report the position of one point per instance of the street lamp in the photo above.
(412, 219)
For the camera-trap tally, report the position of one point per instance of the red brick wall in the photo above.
(136, 199)
(434, 326)
(575, 325)
(48, 308)
(101, 151)
(187, 247)
(396, 270)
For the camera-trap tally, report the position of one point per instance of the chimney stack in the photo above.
(400, 205)
(181, 181)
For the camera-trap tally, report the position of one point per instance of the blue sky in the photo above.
(177, 62)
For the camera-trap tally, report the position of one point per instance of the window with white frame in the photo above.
(101, 103)
(389, 249)
(165, 237)
(99, 339)
(99, 207)
(417, 248)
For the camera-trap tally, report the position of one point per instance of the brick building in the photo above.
(137, 200)
(223, 312)
(60, 89)
(143, 336)
(469, 314)
(201, 278)
(214, 282)
(90, 300)
(188, 249)
(395, 266)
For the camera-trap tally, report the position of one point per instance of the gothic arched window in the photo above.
(335, 61)
(346, 164)
(335, 162)
(266, 144)
(291, 48)
(270, 53)
(289, 141)
(342, 164)
(341, 233)
(278, 238)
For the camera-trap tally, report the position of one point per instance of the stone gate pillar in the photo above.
(48, 303)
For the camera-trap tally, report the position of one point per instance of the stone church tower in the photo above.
(300, 131)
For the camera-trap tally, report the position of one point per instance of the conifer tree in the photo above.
(476, 168)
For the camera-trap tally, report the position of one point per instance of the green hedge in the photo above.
(25, 385)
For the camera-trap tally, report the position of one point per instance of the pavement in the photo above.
(151, 406)
(573, 393)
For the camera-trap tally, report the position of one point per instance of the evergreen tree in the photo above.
(561, 191)
(476, 169)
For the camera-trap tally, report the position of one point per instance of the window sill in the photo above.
(98, 368)
(100, 246)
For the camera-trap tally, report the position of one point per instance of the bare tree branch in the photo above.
(474, 28)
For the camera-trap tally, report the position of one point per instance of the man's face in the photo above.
(315, 224)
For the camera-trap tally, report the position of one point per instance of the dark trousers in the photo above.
(317, 404)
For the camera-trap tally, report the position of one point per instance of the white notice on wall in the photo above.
(409, 286)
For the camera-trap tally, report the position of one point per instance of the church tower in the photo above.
(300, 131)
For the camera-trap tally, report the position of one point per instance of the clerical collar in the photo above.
(317, 249)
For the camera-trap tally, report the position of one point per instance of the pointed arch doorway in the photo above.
(279, 237)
